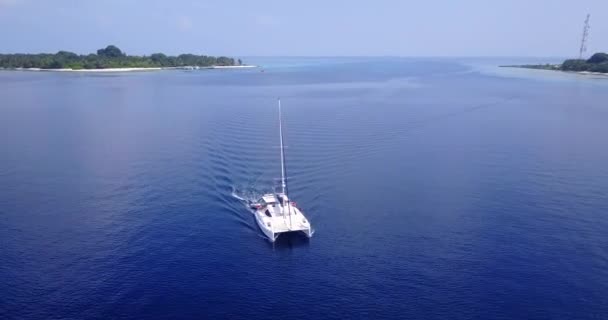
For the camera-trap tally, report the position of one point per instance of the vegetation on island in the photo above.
(597, 63)
(109, 57)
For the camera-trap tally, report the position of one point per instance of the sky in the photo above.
(535, 28)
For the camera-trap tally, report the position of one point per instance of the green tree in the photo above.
(574, 65)
(598, 58)
(159, 59)
(110, 51)
(108, 57)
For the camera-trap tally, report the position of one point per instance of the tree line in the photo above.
(597, 63)
(109, 57)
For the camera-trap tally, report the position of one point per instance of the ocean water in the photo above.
(437, 188)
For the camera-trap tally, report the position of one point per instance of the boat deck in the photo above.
(282, 224)
(280, 221)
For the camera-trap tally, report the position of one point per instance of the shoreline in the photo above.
(109, 70)
(590, 73)
(584, 73)
(229, 67)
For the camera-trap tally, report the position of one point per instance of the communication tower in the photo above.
(584, 39)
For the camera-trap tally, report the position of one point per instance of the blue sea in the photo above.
(437, 188)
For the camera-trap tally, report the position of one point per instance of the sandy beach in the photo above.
(87, 70)
(231, 67)
(131, 69)
(583, 73)
(589, 73)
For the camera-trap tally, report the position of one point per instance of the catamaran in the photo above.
(275, 213)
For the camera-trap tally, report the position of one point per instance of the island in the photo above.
(597, 64)
(111, 58)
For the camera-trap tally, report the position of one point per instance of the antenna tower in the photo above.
(584, 39)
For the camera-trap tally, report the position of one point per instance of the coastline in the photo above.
(109, 70)
(533, 67)
(229, 67)
(590, 73)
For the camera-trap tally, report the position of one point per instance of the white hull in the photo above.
(275, 219)
(265, 229)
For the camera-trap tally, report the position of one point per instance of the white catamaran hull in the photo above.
(267, 230)
(275, 219)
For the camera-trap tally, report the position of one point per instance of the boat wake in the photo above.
(237, 196)
(246, 196)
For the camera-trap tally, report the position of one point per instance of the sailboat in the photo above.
(275, 213)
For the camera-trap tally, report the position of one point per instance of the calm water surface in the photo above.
(438, 189)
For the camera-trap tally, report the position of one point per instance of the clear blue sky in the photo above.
(311, 27)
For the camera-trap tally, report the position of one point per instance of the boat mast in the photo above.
(283, 183)
(283, 167)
